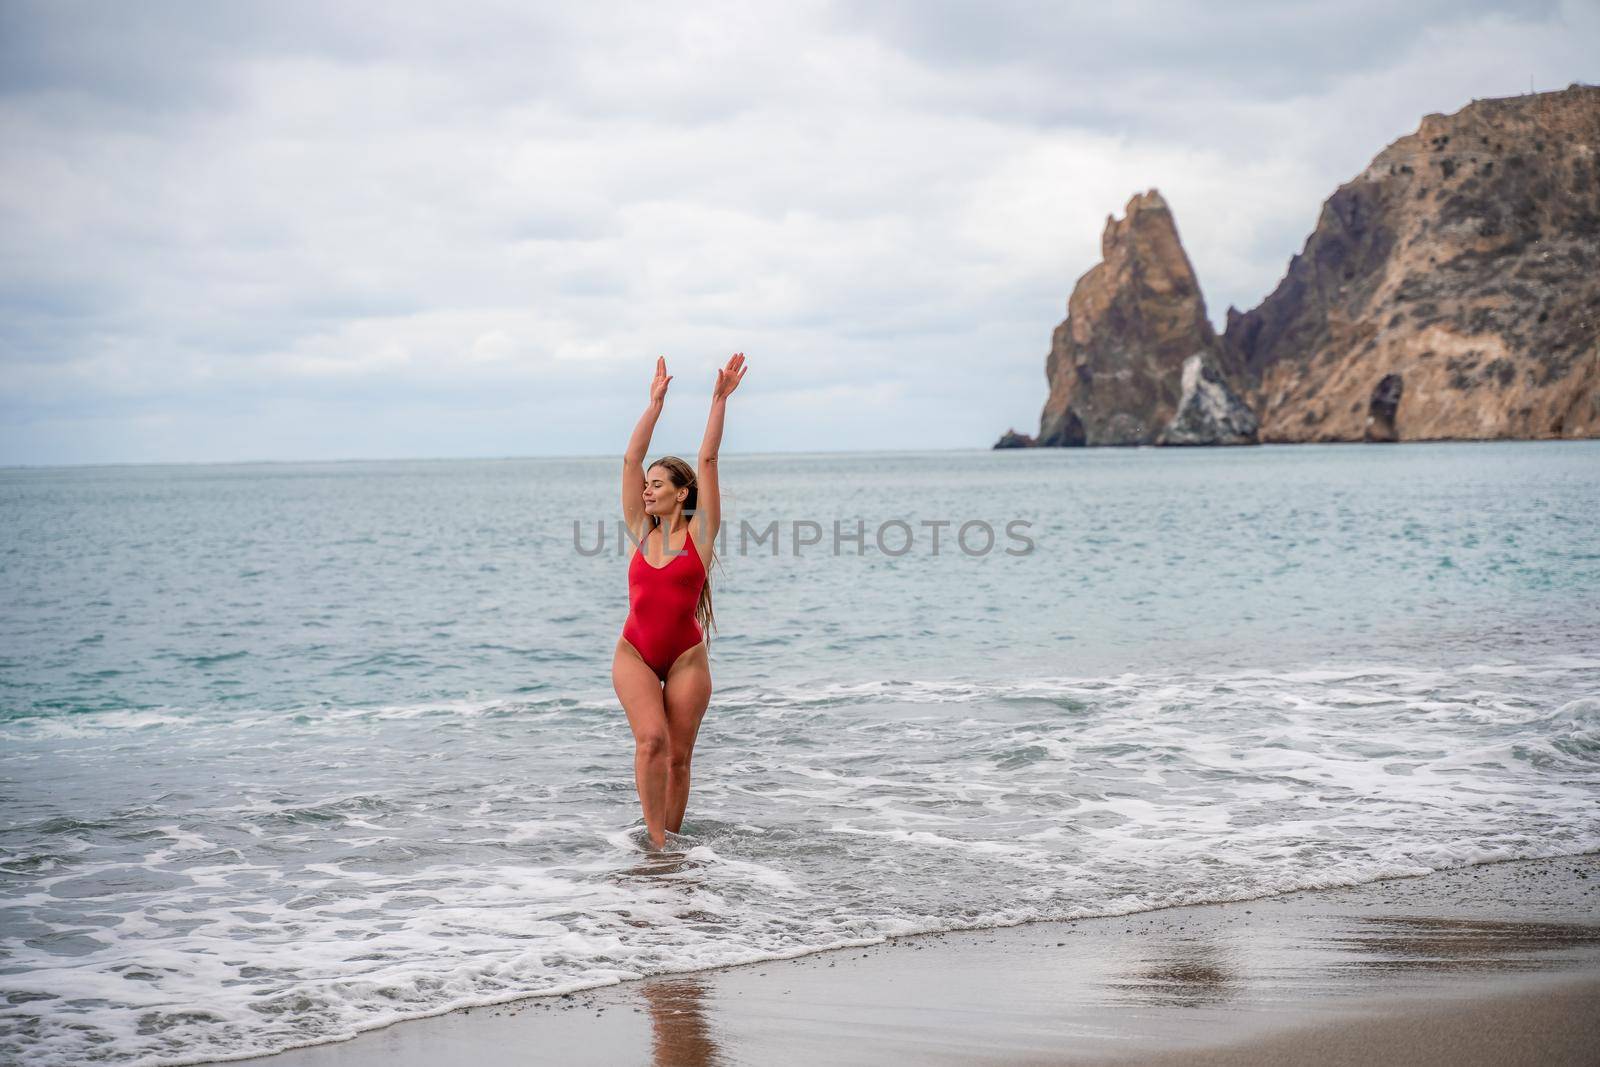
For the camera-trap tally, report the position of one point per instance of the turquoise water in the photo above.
(293, 750)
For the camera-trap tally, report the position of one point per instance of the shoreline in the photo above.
(1334, 975)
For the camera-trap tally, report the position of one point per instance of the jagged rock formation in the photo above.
(1012, 439)
(1115, 365)
(1209, 413)
(1465, 262)
(1451, 290)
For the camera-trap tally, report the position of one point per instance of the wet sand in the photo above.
(1532, 1023)
(1493, 964)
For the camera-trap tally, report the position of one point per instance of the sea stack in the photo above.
(1116, 363)
(1012, 439)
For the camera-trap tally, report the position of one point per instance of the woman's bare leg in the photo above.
(688, 692)
(640, 692)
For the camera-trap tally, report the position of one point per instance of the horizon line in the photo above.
(448, 459)
(796, 452)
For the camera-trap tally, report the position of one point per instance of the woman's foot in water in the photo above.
(643, 840)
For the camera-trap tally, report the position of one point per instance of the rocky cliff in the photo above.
(1210, 413)
(1451, 290)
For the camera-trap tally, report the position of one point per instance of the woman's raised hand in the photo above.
(658, 388)
(729, 377)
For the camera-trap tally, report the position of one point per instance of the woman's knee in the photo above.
(652, 744)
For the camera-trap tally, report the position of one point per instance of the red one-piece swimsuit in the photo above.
(661, 600)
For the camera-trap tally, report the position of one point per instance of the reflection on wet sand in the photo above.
(680, 1032)
(1403, 943)
(1195, 975)
(1257, 964)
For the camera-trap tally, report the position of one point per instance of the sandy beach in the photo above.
(1491, 964)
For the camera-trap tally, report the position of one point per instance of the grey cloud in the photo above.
(139, 63)
(1249, 46)
(163, 66)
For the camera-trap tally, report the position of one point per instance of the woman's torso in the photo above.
(661, 622)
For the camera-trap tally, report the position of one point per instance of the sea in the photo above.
(290, 751)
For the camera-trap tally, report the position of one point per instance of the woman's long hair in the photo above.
(683, 475)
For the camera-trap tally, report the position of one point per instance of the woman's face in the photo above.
(660, 495)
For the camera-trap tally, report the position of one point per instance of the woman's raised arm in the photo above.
(708, 520)
(638, 448)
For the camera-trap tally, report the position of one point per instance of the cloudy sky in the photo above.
(239, 231)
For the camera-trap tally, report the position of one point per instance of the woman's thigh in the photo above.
(688, 693)
(639, 690)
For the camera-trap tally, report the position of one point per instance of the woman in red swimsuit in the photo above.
(660, 669)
